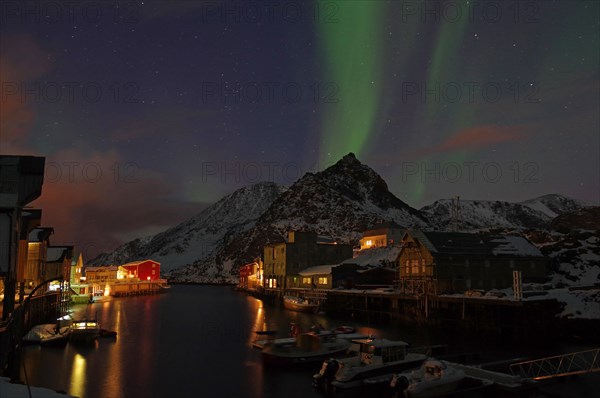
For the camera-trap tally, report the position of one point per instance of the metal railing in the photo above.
(559, 366)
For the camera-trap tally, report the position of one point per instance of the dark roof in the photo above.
(475, 244)
(40, 234)
(382, 228)
(30, 219)
(57, 254)
(458, 243)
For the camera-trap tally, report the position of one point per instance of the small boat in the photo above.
(375, 358)
(163, 288)
(46, 335)
(84, 331)
(308, 347)
(434, 378)
(342, 332)
(55, 340)
(293, 303)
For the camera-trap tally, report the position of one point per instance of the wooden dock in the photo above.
(491, 315)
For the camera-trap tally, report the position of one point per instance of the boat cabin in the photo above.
(380, 351)
(433, 369)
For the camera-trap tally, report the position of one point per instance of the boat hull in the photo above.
(292, 306)
(275, 359)
(378, 371)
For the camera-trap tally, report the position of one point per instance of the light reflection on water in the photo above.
(195, 341)
(77, 386)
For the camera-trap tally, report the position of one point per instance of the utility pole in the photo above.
(456, 214)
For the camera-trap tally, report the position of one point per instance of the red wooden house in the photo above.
(145, 270)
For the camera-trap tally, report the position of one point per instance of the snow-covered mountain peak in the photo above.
(554, 204)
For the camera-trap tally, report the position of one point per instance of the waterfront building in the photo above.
(136, 277)
(77, 280)
(251, 275)
(283, 261)
(30, 219)
(381, 235)
(317, 277)
(58, 265)
(145, 270)
(37, 246)
(453, 262)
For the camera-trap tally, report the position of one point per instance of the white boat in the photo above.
(46, 335)
(375, 358)
(306, 348)
(260, 344)
(299, 304)
(434, 378)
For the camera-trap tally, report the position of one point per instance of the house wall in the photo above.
(36, 258)
(381, 239)
(460, 273)
(149, 269)
(376, 241)
(415, 261)
(100, 275)
(319, 281)
(284, 261)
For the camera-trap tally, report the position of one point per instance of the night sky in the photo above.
(149, 111)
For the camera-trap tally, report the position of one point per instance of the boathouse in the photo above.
(453, 262)
(145, 270)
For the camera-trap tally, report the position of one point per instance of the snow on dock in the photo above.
(12, 390)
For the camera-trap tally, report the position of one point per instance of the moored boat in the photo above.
(46, 335)
(84, 331)
(375, 358)
(305, 348)
(342, 332)
(432, 379)
(293, 303)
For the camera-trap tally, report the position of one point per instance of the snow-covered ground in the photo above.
(10, 390)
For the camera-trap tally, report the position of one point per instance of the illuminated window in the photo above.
(306, 281)
(369, 243)
(322, 280)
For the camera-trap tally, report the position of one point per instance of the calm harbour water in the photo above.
(195, 341)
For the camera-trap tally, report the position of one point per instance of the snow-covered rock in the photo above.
(486, 214)
(199, 237)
